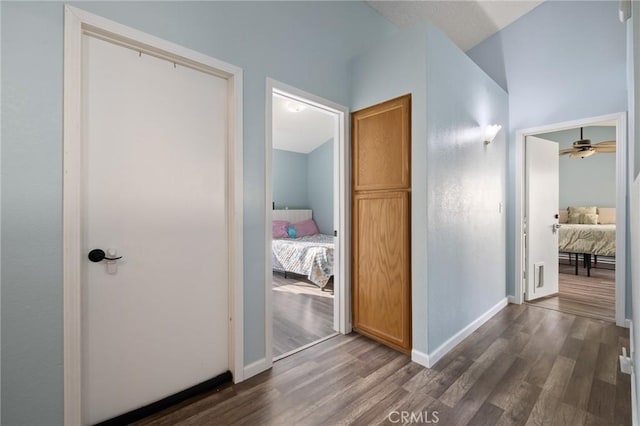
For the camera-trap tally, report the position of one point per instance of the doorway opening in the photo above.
(572, 218)
(305, 254)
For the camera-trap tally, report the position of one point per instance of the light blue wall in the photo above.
(589, 181)
(562, 61)
(304, 44)
(633, 81)
(466, 186)
(458, 236)
(31, 241)
(289, 179)
(633, 73)
(394, 68)
(320, 186)
(305, 181)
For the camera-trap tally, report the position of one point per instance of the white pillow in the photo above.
(607, 215)
(583, 210)
(564, 216)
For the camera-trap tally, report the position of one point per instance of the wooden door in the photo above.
(381, 281)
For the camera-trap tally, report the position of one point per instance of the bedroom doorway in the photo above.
(305, 255)
(571, 252)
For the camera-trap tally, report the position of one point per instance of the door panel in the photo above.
(154, 189)
(382, 300)
(381, 283)
(382, 140)
(543, 187)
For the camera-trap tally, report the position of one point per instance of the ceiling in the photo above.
(299, 127)
(466, 23)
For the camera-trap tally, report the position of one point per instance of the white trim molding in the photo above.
(431, 359)
(511, 299)
(302, 348)
(78, 22)
(634, 399)
(256, 368)
(420, 358)
(621, 202)
(342, 304)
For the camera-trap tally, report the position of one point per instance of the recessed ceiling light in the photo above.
(295, 106)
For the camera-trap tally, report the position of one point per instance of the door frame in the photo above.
(76, 23)
(342, 315)
(621, 203)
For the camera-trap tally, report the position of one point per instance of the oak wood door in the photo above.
(381, 281)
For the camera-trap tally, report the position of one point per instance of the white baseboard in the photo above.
(256, 367)
(443, 349)
(420, 358)
(511, 299)
(634, 401)
(627, 323)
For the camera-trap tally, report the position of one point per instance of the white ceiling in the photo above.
(301, 131)
(467, 23)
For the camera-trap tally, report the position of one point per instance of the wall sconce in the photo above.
(490, 133)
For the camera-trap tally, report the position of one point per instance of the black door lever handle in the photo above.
(98, 255)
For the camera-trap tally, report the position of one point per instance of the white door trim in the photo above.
(342, 315)
(78, 22)
(621, 201)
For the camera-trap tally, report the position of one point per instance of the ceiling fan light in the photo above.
(583, 153)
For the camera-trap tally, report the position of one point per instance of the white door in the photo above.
(154, 190)
(543, 187)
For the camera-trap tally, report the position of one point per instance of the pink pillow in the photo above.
(307, 227)
(279, 229)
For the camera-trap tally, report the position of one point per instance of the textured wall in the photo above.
(565, 60)
(305, 181)
(31, 213)
(633, 81)
(633, 73)
(320, 186)
(466, 189)
(289, 179)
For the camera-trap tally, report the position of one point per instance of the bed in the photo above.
(589, 239)
(311, 256)
(599, 240)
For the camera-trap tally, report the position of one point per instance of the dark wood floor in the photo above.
(302, 313)
(526, 365)
(593, 296)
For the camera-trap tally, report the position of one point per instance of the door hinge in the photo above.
(335, 233)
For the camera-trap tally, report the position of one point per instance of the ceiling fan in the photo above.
(584, 148)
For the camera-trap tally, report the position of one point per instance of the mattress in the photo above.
(592, 239)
